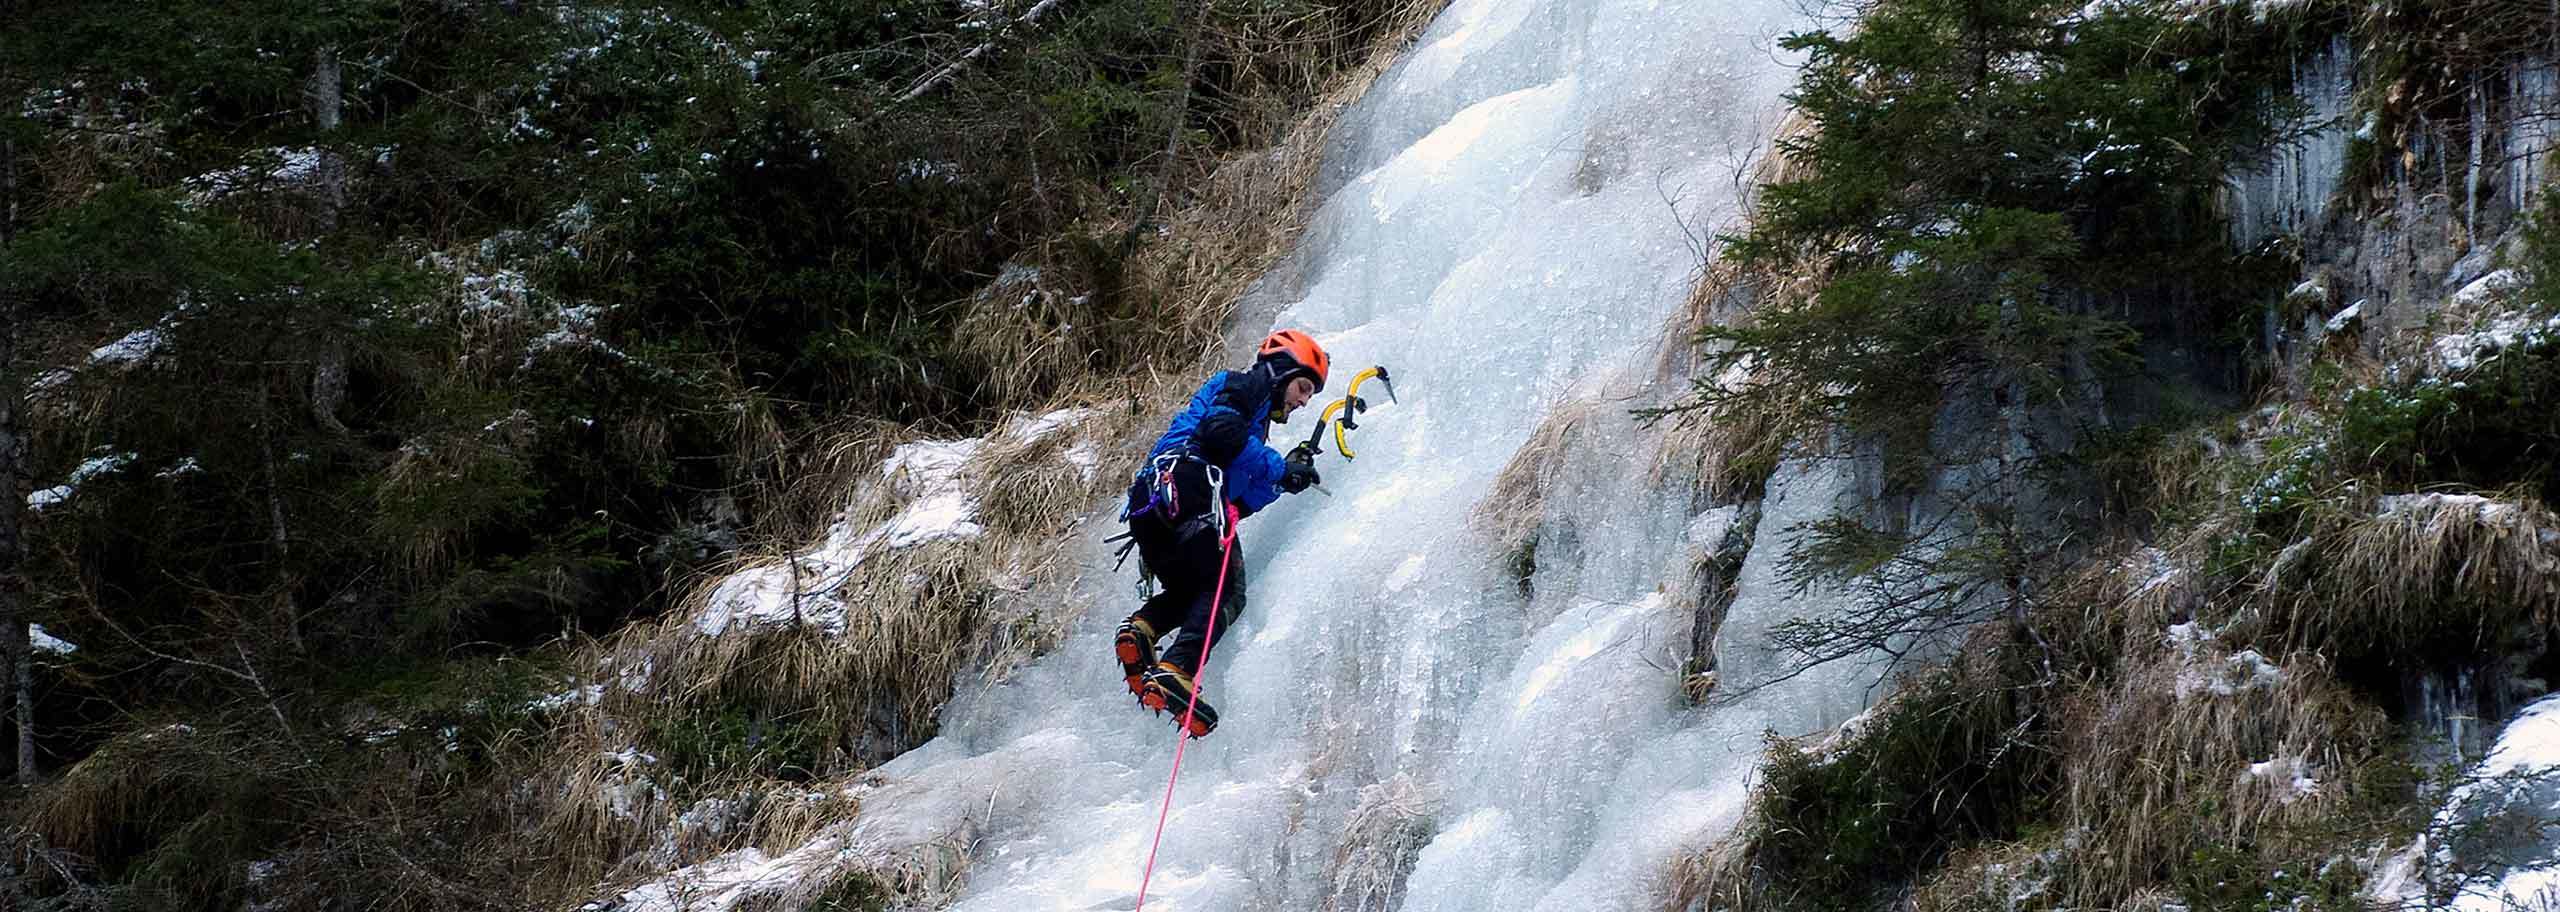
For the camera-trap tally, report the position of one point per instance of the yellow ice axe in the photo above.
(1349, 408)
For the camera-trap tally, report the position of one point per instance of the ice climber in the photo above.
(1210, 469)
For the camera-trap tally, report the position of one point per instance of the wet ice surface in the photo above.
(1505, 220)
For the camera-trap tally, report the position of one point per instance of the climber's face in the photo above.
(1299, 390)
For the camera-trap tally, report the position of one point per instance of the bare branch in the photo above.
(944, 76)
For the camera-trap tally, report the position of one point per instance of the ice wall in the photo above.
(1509, 221)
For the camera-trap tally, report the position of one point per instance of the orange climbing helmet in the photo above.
(1301, 350)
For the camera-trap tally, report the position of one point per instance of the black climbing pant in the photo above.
(1184, 558)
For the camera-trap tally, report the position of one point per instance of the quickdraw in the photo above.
(1349, 407)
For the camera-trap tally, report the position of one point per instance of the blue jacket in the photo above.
(1225, 424)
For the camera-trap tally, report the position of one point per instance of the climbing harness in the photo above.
(1226, 545)
(1164, 500)
(1350, 406)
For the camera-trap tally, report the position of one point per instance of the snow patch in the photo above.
(2157, 570)
(576, 331)
(728, 881)
(2461, 352)
(1710, 529)
(808, 589)
(2487, 289)
(135, 346)
(2241, 672)
(46, 642)
(290, 168)
(2438, 511)
(2188, 638)
(2291, 777)
(89, 469)
(498, 293)
(1846, 736)
(589, 695)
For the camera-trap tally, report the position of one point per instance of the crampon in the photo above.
(1167, 690)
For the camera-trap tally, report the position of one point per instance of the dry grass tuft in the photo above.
(1724, 293)
(2422, 568)
(2001, 877)
(881, 634)
(117, 784)
(1714, 876)
(1381, 840)
(1722, 451)
(907, 620)
(930, 876)
(2122, 599)
(431, 496)
(597, 809)
(2196, 746)
(108, 142)
(1781, 168)
(787, 819)
(1511, 512)
(1727, 448)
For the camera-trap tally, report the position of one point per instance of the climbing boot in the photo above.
(1135, 647)
(1168, 690)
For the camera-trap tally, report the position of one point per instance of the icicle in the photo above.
(2289, 189)
(2478, 102)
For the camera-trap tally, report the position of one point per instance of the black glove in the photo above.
(1301, 472)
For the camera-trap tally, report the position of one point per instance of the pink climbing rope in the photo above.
(1183, 740)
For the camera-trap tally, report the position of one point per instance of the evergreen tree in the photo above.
(1993, 202)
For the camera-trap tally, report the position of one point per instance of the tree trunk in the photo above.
(14, 647)
(279, 540)
(324, 98)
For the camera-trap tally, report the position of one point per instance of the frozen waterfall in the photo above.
(1510, 220)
